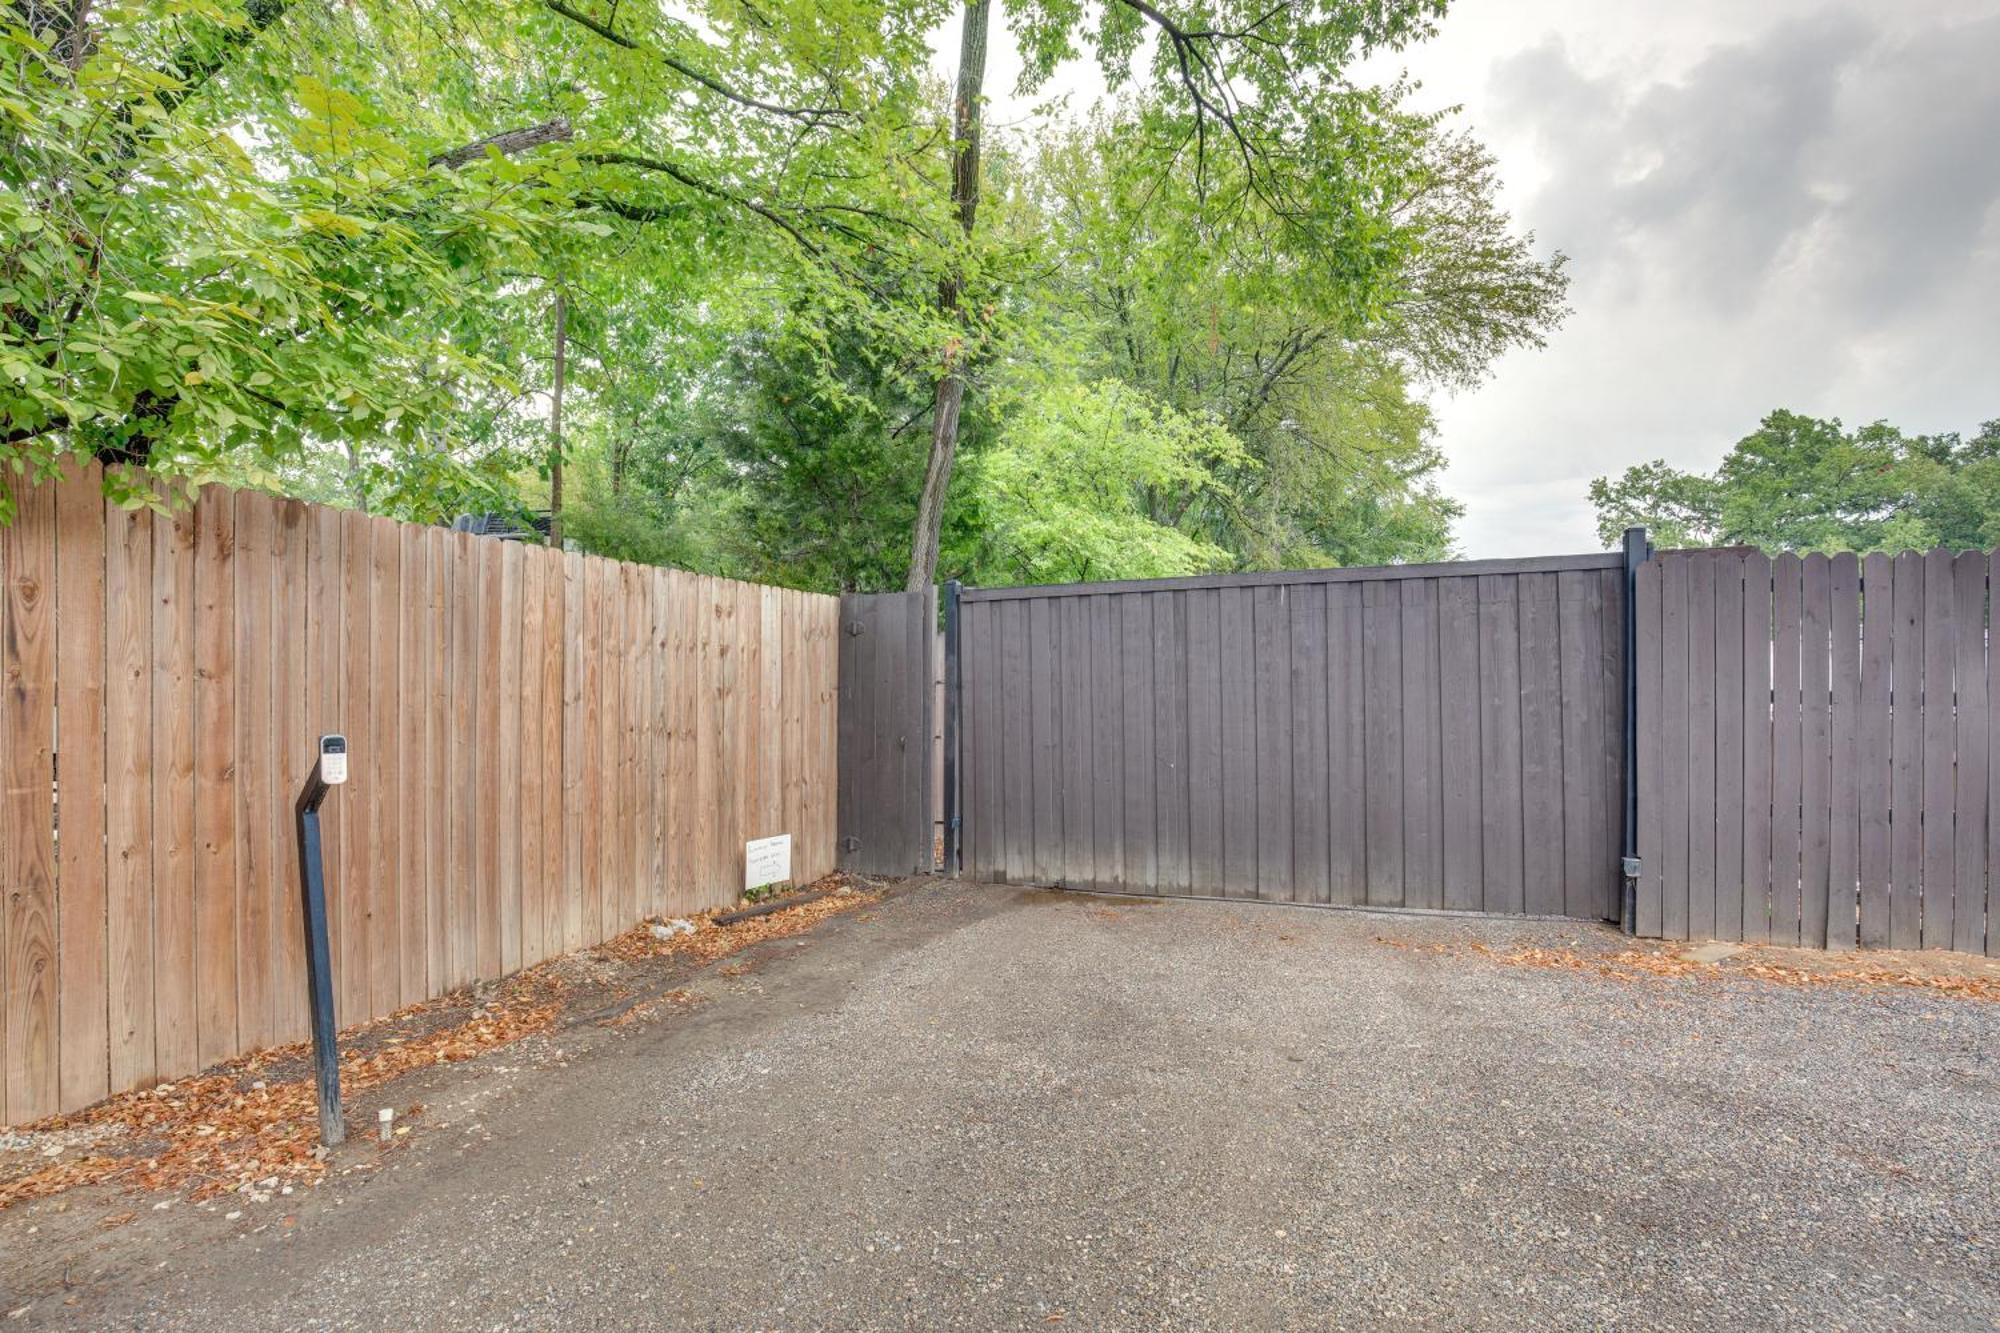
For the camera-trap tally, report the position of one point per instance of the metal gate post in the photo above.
(1638, 550)
(951, 710)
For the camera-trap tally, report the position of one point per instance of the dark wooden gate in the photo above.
(1816, 749)
(1429, 736)
(886, 702)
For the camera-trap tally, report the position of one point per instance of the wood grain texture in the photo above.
(215, 770)
(27, 828)
(1970, 726)
(1729, 744)
(128, 795)
(1816, 783)
(1906, 764)
(84, 972)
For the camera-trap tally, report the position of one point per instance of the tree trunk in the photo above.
(950, 393)
(555, 423)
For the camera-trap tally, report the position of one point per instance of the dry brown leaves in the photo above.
(224, 1130)
(709, 941)
(233, 1127)
(1637, 963)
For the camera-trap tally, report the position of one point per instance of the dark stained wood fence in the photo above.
(1437, 736)
(888, 645)
(1816, 746)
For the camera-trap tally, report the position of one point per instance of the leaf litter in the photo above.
(1634, 964)
(251, 1124)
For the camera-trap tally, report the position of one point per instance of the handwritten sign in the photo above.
(767, 861)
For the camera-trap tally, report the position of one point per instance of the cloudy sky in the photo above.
(1766, 203)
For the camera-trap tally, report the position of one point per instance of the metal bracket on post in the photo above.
(329, 770)
(1638, 550)
(951, 707)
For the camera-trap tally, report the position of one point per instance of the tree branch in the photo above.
(507, 142)
(810, 114)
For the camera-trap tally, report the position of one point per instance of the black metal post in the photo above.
(951, 707)
(1638, 550)
(319, 962)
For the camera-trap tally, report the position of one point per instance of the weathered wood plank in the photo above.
(1170, 763)
(1423, 786)
(1701, 749)
(83, 969)
(1787, 747)
(1271, 765)
(1500, 817)
(173, 847)
(1346, 760)
(1136, 685)
(1462, 743)
(296, 751)
(27, 831)
(1043, 663)
(1382, 728)
(416, 626)
(1816, 786)
(1649, 908)
(1992, 900)
(1107, 799)
(354, 898)
(554, 651)
(128, 793)
(385, 976)
(1728, 648)
(1541, 744)
(1906, 747)
(1757, 639)
(1311, 814)
(215, 790)
(505, 645)
(1873, 767)
(1844, 818)
(1204, 728)
(1940, 654)
(461, 916)
(1239, 743)
(1017, 817)
(1078, 754)
(1968, 918)
(255, 760)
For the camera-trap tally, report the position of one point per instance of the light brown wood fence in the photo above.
(545, 748)
(1817, 742)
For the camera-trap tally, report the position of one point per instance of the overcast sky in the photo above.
(1778, 203)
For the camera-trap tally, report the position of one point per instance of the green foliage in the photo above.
(1081, 482)
(1805, 484)
(318, 248)
(211, 245)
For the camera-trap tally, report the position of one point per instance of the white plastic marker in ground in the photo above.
(386, 1119)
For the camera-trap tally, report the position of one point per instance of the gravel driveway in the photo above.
(989, 1108)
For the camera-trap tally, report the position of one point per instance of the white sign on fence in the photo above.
(767, 861)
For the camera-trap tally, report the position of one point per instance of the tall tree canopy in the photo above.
(1807, 484)
(350, 251)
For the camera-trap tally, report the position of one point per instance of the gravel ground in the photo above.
(998, 1108)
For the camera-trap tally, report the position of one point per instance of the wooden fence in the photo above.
(1817, 741)
(1430, 736)
(545, 747)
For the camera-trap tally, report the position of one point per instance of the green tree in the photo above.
(1809, 484)
(211, 245)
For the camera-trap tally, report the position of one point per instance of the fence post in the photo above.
(1637, 551)
(951, 710)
